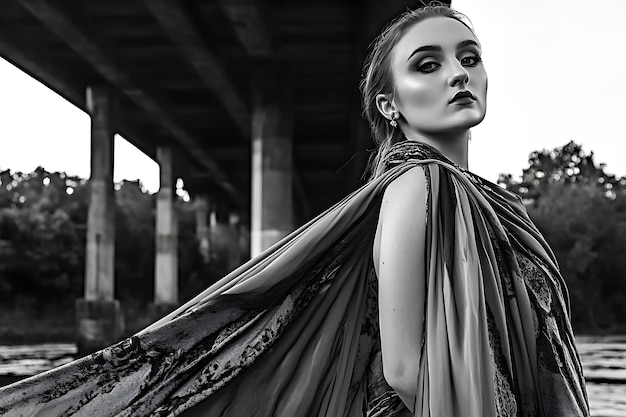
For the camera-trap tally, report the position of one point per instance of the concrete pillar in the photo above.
(215, 237)
(166, 262)
(202, 228)
(99, 316)
(272, 132)
(212, 217)
(234, 258)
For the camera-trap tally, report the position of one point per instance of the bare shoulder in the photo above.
(406, 191)
(401, 224)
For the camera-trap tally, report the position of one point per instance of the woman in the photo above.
(473, 315)
(426, 292)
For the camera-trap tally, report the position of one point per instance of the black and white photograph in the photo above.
(322, 208)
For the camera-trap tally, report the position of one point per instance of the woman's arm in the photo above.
(400, 263)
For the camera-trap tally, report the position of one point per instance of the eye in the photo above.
(470, 60)
(428, 66)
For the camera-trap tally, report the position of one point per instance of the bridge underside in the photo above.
(184, 74)
(254, 104)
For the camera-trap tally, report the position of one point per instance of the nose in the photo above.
(458, 74)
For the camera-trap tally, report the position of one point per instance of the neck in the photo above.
(452, 144)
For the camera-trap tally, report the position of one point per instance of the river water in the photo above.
(604, 366)
(604, 363)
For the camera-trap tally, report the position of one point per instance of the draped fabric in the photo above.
(294, 332)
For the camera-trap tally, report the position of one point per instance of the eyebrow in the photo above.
(437, 48)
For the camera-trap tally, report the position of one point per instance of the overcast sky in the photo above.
(557, 72)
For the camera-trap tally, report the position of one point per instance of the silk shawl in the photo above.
(294, 331)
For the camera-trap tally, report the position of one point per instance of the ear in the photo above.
(385, 106)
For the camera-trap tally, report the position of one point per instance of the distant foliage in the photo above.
(40, 246)
(568, 164)
(43, 218)
(581, 210)
(134, 243)
(577, 205)
(38, 254)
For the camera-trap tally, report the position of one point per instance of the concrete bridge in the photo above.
(253, 103)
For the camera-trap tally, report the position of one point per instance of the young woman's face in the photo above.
(436, 59)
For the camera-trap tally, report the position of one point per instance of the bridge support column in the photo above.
(272, 132)
(234, 260)
(166, 262)
(99, 315)
(202, 227)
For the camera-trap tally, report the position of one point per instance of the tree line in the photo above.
(577, 205)
(43, 218)
(581, 211)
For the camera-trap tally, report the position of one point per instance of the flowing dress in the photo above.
(294, 331)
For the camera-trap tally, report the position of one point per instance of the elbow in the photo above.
(402, 377)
